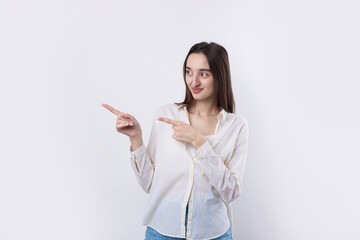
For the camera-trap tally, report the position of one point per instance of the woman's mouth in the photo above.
(197, 90)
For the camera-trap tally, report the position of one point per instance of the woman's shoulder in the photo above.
(238, 118)
(168, 107)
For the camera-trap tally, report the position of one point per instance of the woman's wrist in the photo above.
(199, 141)
(136, 142)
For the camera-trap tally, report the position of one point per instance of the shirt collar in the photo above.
(222, 114)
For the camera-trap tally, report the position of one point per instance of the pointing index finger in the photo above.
(111, 109)
(167, 120)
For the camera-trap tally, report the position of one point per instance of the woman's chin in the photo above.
(197, 95)
(197, 98)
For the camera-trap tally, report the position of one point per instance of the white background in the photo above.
(65, 172)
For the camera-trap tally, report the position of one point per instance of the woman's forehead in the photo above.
(197, 61)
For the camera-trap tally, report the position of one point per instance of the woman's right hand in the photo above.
(125, 123)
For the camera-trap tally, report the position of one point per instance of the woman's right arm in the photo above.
(142, 159)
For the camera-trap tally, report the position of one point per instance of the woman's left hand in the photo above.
(185, 133)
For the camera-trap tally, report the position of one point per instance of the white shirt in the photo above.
(176, 174)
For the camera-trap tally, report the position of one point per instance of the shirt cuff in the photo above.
(202, 151)
(138, 152)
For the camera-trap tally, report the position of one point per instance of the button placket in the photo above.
(188, 230)
(188, 191)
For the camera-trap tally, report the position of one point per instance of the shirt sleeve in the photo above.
(226, 179)
(143, 159)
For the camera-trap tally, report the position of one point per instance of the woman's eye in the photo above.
(188, 72)
(205, 74)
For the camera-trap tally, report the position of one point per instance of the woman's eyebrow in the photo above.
(202, 69)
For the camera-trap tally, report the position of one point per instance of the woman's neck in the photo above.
(204, 109)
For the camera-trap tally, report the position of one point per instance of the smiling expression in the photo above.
(199, 78)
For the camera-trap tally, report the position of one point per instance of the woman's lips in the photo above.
(197, 90)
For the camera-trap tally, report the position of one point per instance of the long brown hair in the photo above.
(218, 60)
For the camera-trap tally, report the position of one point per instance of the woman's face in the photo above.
(199, 78)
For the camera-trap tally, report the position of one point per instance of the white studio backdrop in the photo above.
(65, 172)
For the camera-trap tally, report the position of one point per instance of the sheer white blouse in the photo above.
(176, 174)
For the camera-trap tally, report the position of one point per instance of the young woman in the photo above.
(193, 164)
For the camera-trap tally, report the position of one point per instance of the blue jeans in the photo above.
(152, 234)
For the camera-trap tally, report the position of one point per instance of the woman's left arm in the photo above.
(226, 179)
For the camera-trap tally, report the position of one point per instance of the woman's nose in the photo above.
(196, 81)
